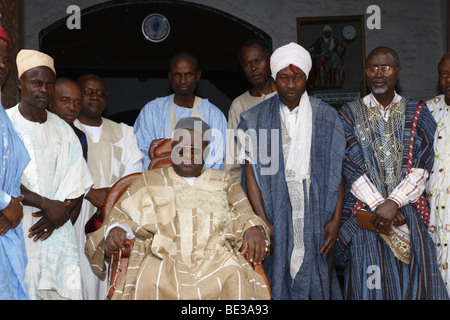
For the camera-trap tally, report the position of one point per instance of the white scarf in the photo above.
(299, 152)
(298, 160)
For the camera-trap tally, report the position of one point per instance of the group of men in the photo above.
(284, 184)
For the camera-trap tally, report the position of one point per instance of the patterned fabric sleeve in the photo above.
(410, 188)
(366, 192)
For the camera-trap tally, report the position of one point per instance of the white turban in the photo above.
(291, 53)
(30, 59)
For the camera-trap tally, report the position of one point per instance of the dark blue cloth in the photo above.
(363, 253)
(83, 140)
(313, 280)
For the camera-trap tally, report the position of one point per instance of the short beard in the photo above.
(380, 90)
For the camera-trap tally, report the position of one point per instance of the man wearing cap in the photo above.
(158, 118)
(188, 223)
(53, 183)
(13, 257)
(5, 58)
(327, 52)
(389, 155)
(293, 148)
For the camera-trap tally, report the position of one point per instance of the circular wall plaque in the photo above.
(156, 27)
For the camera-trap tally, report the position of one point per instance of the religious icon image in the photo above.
(327, 55)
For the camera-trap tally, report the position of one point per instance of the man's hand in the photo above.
(254, 245)
(97, 196)
(41, 230)
(399, 219)
(14, 211)
(54, 211)
(114, 241)
(5, 225)
(384, 214)
(331, 231)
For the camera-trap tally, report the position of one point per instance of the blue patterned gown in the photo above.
(380, 150)
(313, 280)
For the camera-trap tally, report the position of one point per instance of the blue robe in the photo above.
(13, 258)
(313, 280)
(371, 269)
(153, 123)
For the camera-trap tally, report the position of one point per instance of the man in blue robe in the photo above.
(158, 117)
(15, 158)
(389, 155)
(293, 148)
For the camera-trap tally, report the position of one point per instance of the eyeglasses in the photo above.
(385, 70)
(90, 92)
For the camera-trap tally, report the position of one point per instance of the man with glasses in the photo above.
(188, 224)
(112, 154)
(388, 159)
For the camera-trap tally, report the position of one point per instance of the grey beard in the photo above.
(380, 90)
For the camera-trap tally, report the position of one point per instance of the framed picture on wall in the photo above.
(337, 48)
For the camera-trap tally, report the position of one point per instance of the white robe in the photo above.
(113, 153)
(57, 171)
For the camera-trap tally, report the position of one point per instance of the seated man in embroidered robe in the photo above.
(388, 159)
(188, 224)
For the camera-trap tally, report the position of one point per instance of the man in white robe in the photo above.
(438, 186)
(113, 153)
(53, 183)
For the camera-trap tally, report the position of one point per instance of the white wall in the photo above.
(416, 29)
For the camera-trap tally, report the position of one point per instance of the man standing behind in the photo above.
(389, 155)
(112, 154)
(56, 175)
(158, 117)
(5, 55)
(13, 257)
(295, 192)
(254, 58)
(66, 104)
(438, 185)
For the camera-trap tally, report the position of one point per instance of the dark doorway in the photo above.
(111, 44)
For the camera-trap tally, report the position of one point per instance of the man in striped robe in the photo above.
(388, 158)
(188, 224)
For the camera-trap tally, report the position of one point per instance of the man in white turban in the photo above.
(293, 148)
(53, 183)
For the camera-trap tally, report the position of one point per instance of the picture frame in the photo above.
(338, 75)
